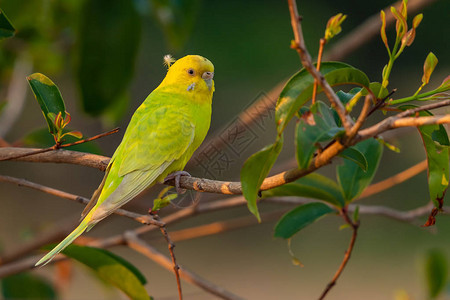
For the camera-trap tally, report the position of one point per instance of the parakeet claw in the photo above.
(177, 175)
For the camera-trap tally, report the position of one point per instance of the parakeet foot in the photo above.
(177, 175)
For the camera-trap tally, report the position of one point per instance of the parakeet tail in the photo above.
(66, 242)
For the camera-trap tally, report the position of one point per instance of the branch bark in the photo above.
(137, 244)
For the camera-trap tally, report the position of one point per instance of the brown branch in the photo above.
(368, 30)
(140, 246)
(362, 117)
(223, 226)
(354, 226)
(394, 180)
(226, 187)
(58, 156)
(176, 267)
(322, 43)
(306, 60)
(396, 122)
(58, 146)
(143, 219)
(119, 239)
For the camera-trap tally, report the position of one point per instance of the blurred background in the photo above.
(106, 57)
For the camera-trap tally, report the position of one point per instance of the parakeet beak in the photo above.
(208, 77)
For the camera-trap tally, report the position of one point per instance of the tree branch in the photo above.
(354, 226)
(306, 60)
(143, 219)
(140, 246)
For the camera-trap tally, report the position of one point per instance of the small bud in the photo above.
(334, 26)
(383, 30)
(400, 26)
(428, 67)
(417, 19)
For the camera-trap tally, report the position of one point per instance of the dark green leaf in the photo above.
(314, 186)
(42, 139)
(352, 179)
(48, 96)
(255, 170)
(176, 19)
(111, 268)
(375, 87)
(299, 88)
(26, 286)
(436, 272)
(435, 140)
(300, 217)
(315, 126)
(126, 264)
(345, 97)
(108, 42)
(6, 28)
(356, 156)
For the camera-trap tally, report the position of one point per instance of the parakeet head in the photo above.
(193, 73)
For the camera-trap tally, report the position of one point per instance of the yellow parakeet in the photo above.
(162, 135)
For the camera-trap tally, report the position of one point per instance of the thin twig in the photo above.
(176, 267)
(137, 244)
(322, 43)
(361, 118)
(354, 226)
(394, 180)
(143, 219)
(307, 63)
(381, 102)
(58, 146)
(222, 226)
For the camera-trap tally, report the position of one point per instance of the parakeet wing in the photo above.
(161, 133)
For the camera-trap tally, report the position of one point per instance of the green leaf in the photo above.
(298, 90)
(300, 217)
(356, 156)
(255, 170)
(49, 98)
(428, 67)
(436, 272)
(111, 268)
(40, 138)
(6, 28)
(163, 199)
(314, 186)
(26, 286)
(377, 89)
(315, 126)
(436, 142)
(351, 178)
(108, 41)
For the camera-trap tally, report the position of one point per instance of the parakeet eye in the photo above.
(191, 71)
